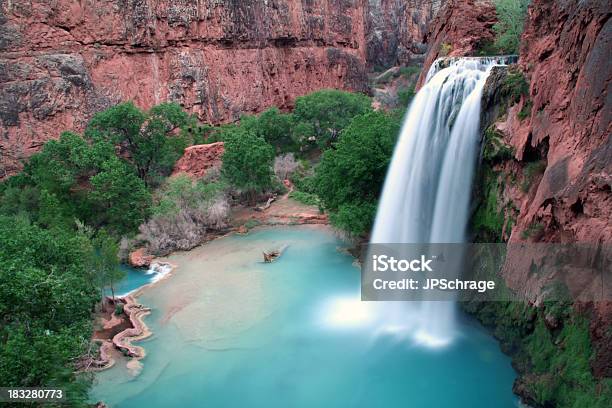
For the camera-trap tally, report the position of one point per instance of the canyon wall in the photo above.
(458, 30)
(396, 31)
(548, 159)
(63, 60)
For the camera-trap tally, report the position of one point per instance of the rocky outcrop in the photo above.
(396, 31)
(62, 61)
(565, 55)
(140, 259)
(551, 173)
(459, 29)
(200, 160)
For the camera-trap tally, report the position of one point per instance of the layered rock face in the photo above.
(62, 61)
(458, 30)
(565, 53)
(396, 30)
(556, 184)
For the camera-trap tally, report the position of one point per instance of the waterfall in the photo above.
(427, 190)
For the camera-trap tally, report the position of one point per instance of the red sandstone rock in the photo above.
(140, 259)
(62, 61)
(565, 53)
(463, 25)
(199, 159)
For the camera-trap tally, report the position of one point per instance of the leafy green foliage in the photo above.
(349, 178)
(305, 198)
(488, 220)
(323, 114)
(273, 126)
(182, 192)
(515, 85)
(511, 20)
(148, 140)
(46, 299)
(247, 162)
(71, 179)
(405, 96)
(525, 112)
(562, 363)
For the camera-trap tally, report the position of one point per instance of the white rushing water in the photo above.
(427, 190)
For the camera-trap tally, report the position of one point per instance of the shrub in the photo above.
(149, 139)
(305, 198)
(525, 112)
(185, 211)
(285, 166)
(531, 171)
(445, 49)
(119, 309)
(515, 85)
(508, 29)
(405, 96)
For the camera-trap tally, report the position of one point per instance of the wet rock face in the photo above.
(62, 61)
(458, 30)
(396, 31)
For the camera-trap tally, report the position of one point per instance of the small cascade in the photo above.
(428, 187)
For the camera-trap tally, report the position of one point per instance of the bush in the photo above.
(515, 85)
(511, 20)
(405, 96)
(285, 166)
(305, 198)
(273, 126)
(185, 211)
(119, 309)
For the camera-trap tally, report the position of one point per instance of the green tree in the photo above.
(275, 127)
(72, 179)
(152, 141)
(350, 176)
(118, 198)
(46, 300)
(106, 261)
(325, 113)
(247, 162)
(509, 27)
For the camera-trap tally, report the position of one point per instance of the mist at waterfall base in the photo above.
(428, 187)
(231, 331)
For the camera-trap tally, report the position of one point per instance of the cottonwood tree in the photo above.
(247, 162)
(151, 141)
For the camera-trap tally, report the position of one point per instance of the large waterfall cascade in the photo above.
(427, 190)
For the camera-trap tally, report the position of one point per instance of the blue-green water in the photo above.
(231, 331)
(134, 279)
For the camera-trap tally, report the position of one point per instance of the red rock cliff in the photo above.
(396, 30)
(458, 30)
(62, 61)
